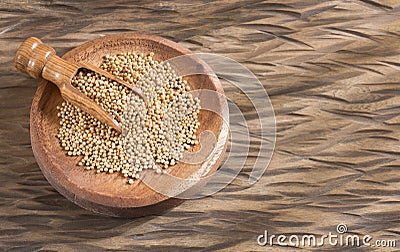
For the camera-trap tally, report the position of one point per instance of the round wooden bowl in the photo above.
(109, 194)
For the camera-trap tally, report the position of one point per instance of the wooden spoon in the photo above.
(41, 61)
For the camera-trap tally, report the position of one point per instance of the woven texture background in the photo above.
(332, 70)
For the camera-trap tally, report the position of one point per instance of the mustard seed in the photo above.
(154, 137)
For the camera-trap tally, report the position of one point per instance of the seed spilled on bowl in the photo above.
(155, 133)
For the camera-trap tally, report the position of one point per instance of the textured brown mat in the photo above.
(332, 70)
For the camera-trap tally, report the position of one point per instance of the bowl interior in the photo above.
(109, 189)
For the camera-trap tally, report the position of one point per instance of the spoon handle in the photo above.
(41, 61)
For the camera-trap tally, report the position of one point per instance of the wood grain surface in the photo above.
(331, 69)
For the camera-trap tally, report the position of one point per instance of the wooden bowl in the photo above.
(109, 194)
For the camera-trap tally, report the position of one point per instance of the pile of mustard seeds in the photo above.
(155, 133)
